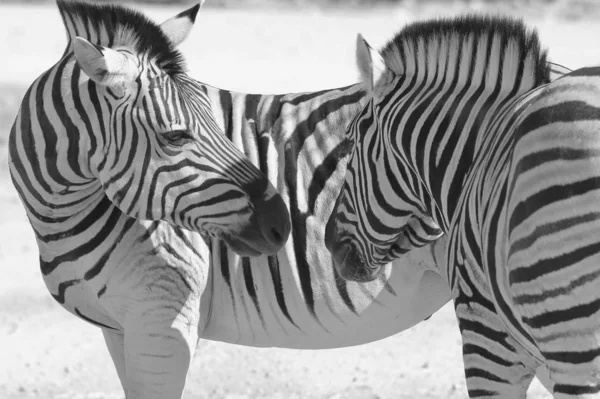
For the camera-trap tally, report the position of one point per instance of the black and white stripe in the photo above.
(463, 130)
(120, 164)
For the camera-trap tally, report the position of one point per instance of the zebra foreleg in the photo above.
(115, 344)
(159, 346)
(575, 380)
(495, 365)
(495, 369)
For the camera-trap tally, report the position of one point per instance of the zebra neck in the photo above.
(447, 104)
(50, 149)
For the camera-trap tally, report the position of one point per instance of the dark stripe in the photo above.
(308, 126)
(49, 133)
(120, 193)
(342, 287)
(101, 291)
(298, 228)
(273, 262)
(62, 288)
(225, 265)
(568, 111)
(263, 151)
(324, 171)
(539, 158)
(149, 231)
(471, 349)
(305, 97)
(576, 390)
(478, 327)
(226, 105)
(550, 228)
(71, 130)
(86, 248)
(543, 267)
(532, 299)
(78, 313)
(474, 372)
(573, 356)
(30, 143)
(549, 318)
(550, 195)
(97, 268)
(164, 200)
(251, 107)
(249, 282)
(481, 393)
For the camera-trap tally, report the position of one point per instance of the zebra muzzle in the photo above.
(349, 263)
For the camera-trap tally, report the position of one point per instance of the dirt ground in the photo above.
(47, 353)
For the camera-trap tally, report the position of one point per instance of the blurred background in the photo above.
(268, 46)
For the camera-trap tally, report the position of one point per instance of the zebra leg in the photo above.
(160, 342)
(115, 344)
(580, 380)
(495, 365)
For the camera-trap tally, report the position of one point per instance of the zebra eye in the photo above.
(177, 137)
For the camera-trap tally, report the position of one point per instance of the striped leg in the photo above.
(572, 357)
(575, 381)
(495, 366)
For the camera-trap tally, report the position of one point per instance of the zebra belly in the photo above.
(331, 314)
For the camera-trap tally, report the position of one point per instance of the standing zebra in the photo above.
(118, 98)
(119, 164)
(458, 136)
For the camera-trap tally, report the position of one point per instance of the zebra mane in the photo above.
(115, 25)
(515, 38)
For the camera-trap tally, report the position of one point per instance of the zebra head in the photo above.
(379, 215)
(152, 139)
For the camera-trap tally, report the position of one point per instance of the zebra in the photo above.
(158, 277)
(462, 136)
(119, 164)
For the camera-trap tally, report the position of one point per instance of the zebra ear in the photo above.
(370, 63)
(178, 28)
(103, 65)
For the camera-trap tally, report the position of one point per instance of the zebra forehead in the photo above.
(114, 25)
(417, 37)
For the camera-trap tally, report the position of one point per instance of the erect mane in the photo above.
(513, 34)
(115, 25)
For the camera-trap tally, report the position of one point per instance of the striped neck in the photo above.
(51, 150)
(449, 86)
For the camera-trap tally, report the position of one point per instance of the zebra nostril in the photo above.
(273, 219)
(276, 236)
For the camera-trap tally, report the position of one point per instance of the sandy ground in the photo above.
(47, 353)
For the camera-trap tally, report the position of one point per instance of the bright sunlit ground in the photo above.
(47, 353)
